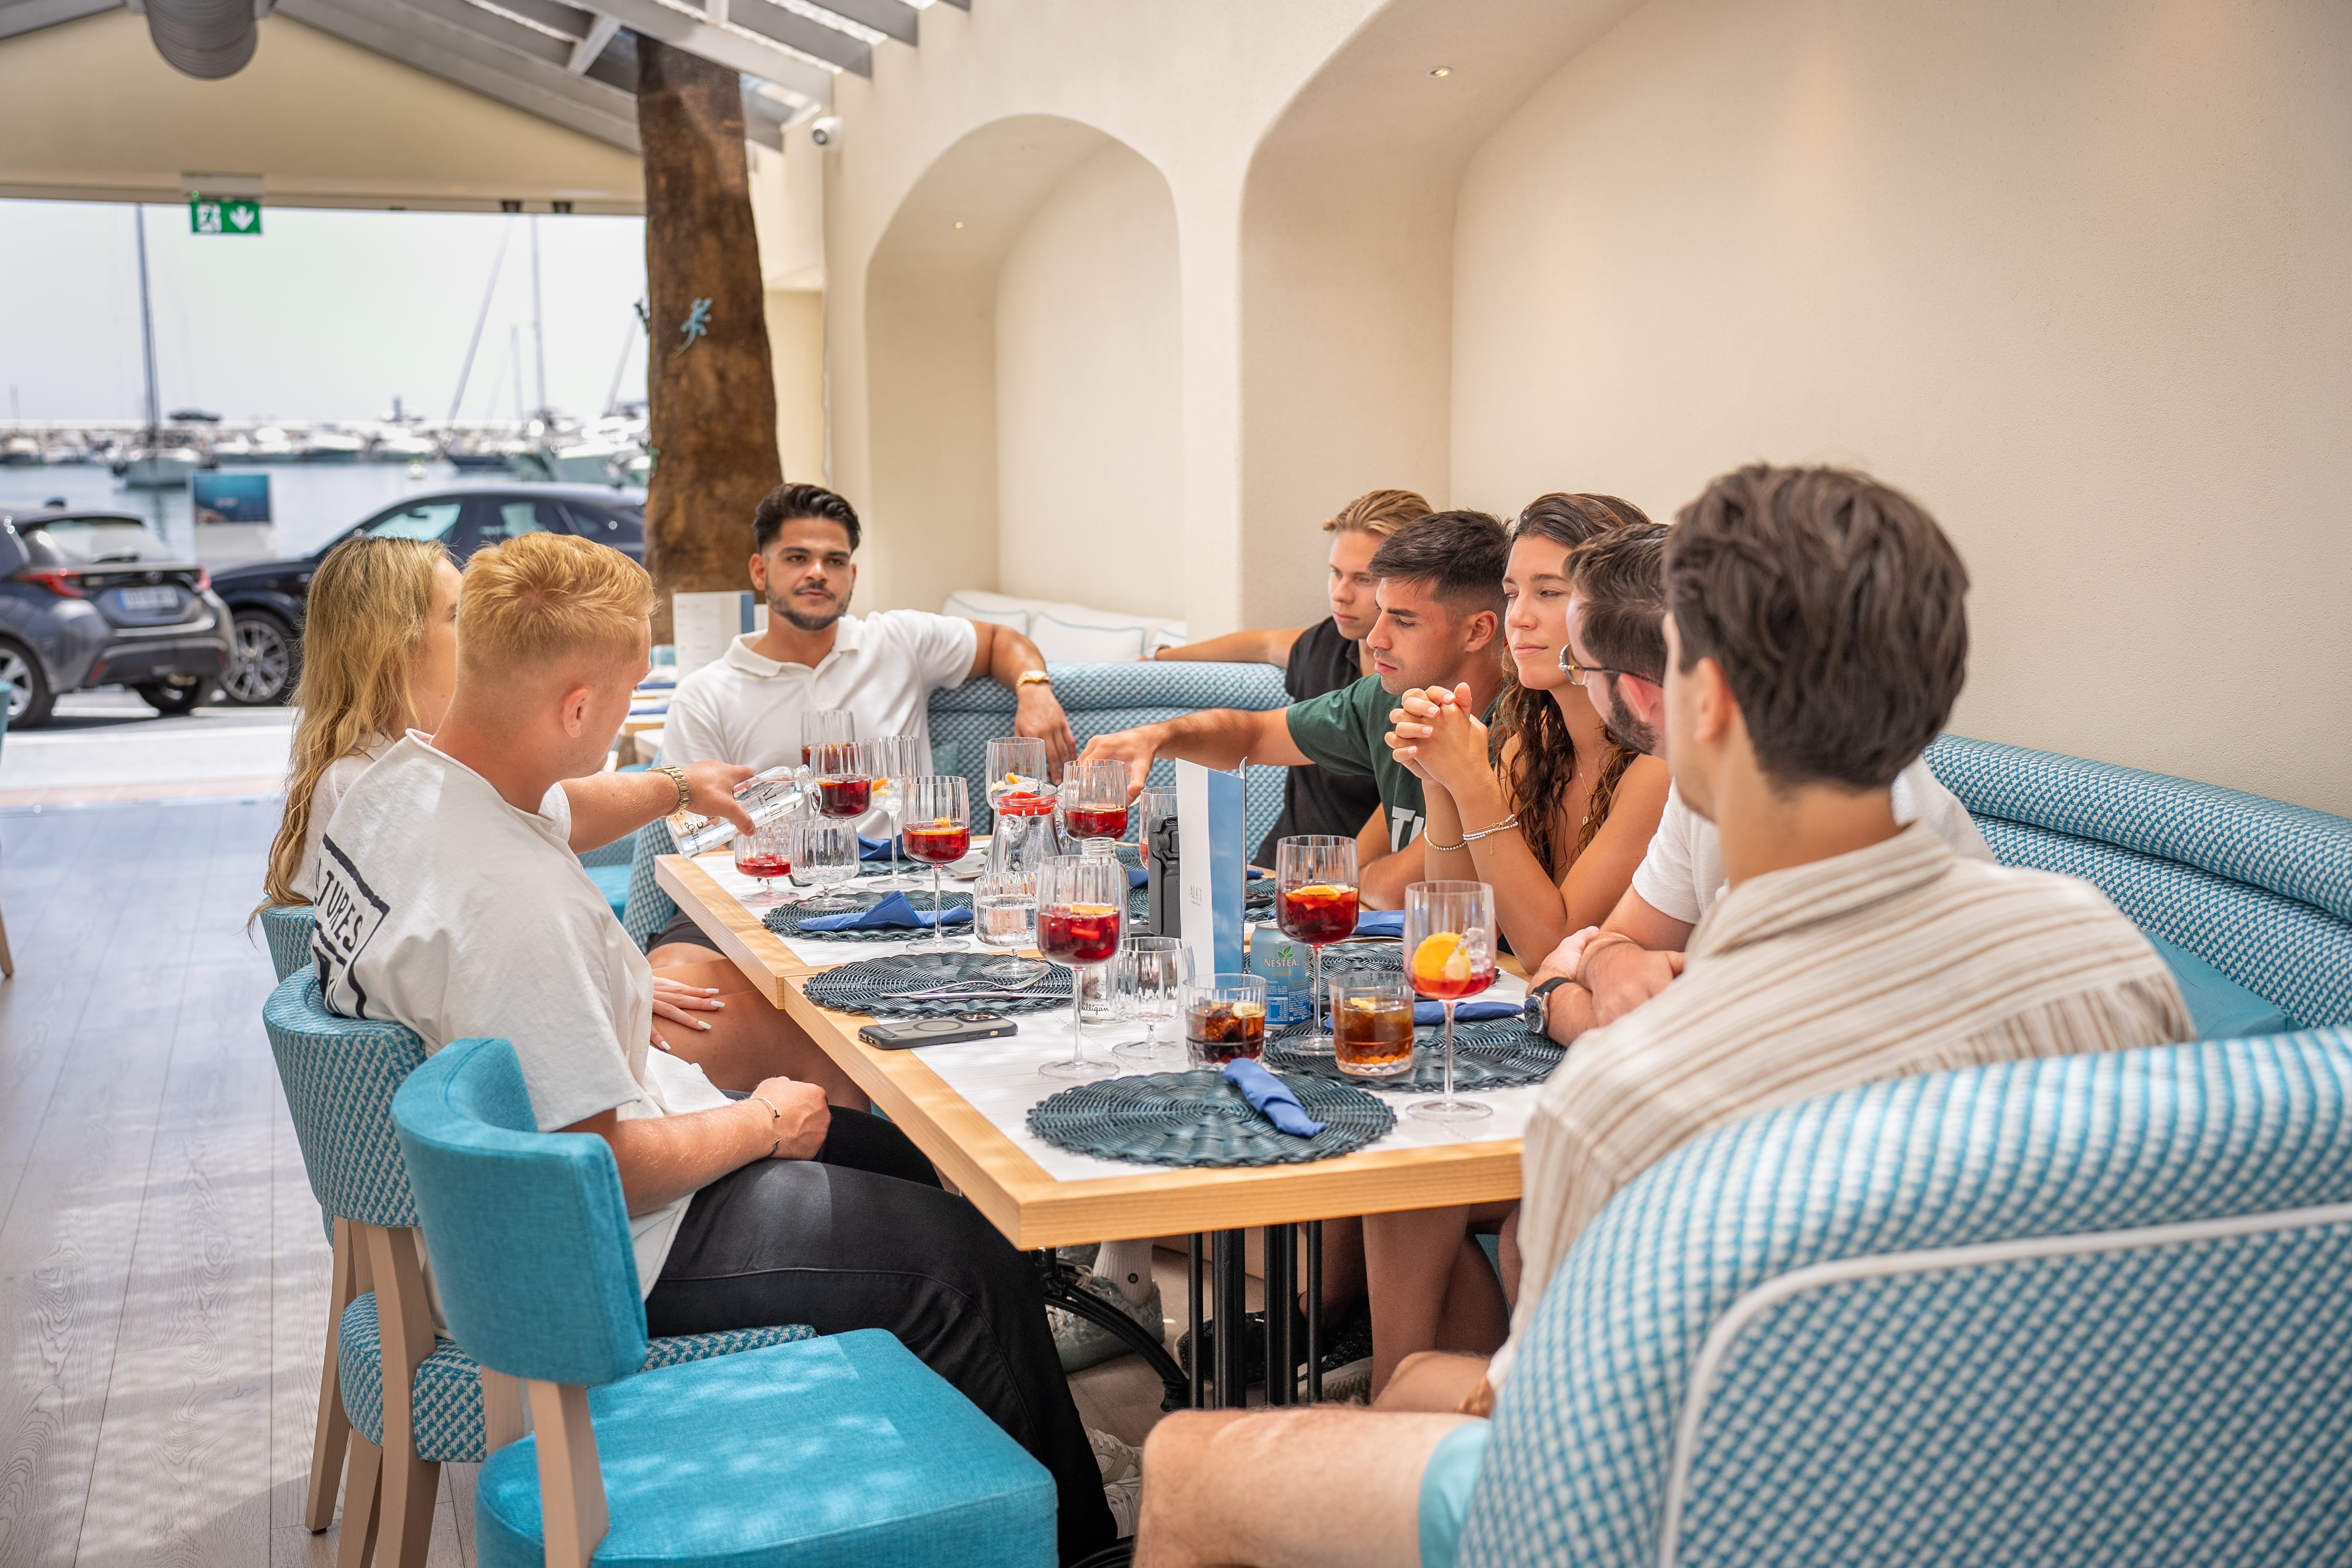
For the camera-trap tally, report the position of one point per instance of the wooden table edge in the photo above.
(757, 951)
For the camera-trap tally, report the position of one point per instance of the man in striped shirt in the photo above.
(1816, 642)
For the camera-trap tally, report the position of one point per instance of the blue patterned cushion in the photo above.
(449, 1425)
(1577, 1470)
(620, 852)
(647, 908)
(2284, 951)
(1100, 700)
(340, 1075)
(2291, 850)
(287, 928)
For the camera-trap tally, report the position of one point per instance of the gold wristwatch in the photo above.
(678, 776)
(1032, 678)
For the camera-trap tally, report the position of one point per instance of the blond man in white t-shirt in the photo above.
(449, 901)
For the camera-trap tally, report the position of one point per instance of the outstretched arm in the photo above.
(664, 1158)
(1234, 648)
(604, 806)
(1214, 738)
(1004, 655)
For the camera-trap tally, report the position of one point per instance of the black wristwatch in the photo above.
(1533, 1012)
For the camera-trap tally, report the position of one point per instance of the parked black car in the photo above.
(267, 598)
(95, 599)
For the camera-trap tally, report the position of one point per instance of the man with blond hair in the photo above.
(449, 902)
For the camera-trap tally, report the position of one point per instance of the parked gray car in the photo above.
(96, 599)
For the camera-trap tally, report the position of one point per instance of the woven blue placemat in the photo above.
(1197, 1118)
(1486, 1056)
(875, 985)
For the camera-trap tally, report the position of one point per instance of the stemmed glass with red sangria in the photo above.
(765, 854)
(1315, 903)
(937, 832)
(1081, 907)
(1094, 800)
(1449, 944)
(844, 772)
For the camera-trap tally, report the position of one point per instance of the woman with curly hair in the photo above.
(1556, 821)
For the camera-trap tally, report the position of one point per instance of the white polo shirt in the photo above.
(746, 709)
(1681, 875)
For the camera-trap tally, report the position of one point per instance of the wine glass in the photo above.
(1094, 800)
(1449, 946)
(825, 726)
(1149, 973)
(938, 832)
(894, 759)
(1150, 808)
(845, 778)
(765, 853)
(1315, 903)
(824, 854)
(1016, 765)
(1081, 907)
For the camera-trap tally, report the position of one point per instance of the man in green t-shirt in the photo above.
(1440, 609)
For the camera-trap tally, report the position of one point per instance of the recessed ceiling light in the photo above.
(958, 222)
(1442, 71)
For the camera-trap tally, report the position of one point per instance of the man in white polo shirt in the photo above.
(745, 707)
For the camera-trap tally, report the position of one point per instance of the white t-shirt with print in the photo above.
(445, 908)
(1682, 875)
(325, 795)
(746, 709)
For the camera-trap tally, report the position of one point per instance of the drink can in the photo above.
(764, 798)
(1284, 965)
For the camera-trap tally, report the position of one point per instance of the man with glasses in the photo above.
(1617, 651)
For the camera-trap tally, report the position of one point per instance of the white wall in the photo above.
(1089, 397)
(2076, 276)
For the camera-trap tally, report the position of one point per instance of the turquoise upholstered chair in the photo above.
(835, 1451)
(2094, 1311)
(2250, 899)
(287, 928)
(406, 1401)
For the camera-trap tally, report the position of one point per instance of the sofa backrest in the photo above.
(2259, 889)
(1100, 699)
(1900, 1323)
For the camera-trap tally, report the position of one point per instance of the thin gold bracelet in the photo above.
(774, 1118)
(1510, 822)
(1430, 841)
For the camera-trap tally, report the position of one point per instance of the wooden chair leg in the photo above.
(405, 1322)
(334, 1427)
(362, 1503)
(571, 1483)
(503, 1420)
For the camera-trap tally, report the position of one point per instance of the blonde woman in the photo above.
(379, 660)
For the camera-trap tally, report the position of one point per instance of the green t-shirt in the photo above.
(1341, 730)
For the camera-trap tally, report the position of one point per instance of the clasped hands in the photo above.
(1438, 739)
(1618, 975)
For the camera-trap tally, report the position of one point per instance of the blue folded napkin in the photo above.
(873, 849)
(1380, 922)
(893, 913)
(1256, 872)
(1271, 1098)
(1465, 1012)
(1137, 876)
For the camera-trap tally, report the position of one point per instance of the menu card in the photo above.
(702, 624)
(1209, 834)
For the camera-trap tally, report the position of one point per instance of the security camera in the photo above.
(826, 130)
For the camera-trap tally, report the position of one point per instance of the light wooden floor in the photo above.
(162, 1274)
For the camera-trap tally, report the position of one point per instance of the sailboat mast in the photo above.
(538, 332)
(147, 326)
(466, 372)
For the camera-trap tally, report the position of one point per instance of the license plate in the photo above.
(151, 598)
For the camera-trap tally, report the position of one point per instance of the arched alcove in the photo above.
(1022, 330)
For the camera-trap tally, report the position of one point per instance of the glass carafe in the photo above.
(1025, 836)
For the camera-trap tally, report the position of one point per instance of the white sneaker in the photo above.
(1083, 1343)
(1122, 1476)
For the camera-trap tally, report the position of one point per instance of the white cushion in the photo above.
(973, 605)
(1071, 642)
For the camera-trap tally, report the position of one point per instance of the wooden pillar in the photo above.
(709, 378)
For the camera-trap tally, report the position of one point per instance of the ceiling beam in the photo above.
(18, 16)
(473, 60)
(585, 52)
(675, 24)
(796, 31)
(891, 18)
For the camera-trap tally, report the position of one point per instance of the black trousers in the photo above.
(863, 1237)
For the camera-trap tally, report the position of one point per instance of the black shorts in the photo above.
(682, 928)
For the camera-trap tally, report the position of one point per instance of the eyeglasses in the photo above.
(1581, 674)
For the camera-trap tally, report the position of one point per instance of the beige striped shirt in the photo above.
(1895, 959)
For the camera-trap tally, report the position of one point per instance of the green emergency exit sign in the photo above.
(224, 215)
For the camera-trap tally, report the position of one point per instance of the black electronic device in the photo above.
(1163, 896)
(908, 1033)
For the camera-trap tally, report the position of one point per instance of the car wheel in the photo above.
(170, 699)
(263, 664)
(29, 697)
